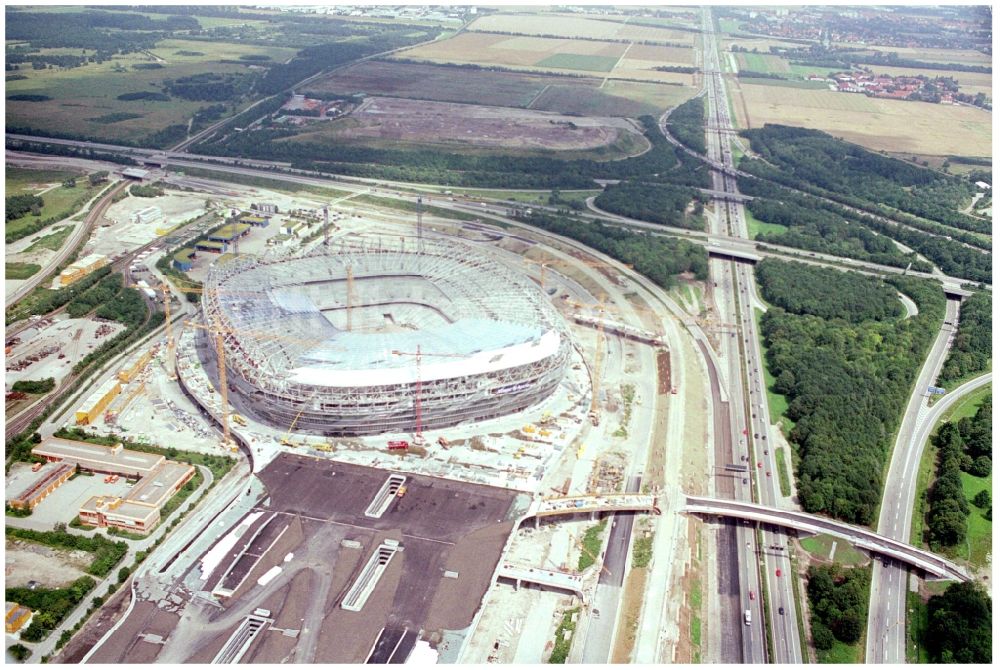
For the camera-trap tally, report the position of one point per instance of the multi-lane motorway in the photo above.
(886, 639)
(768, 550)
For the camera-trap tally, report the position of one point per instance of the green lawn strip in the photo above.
(979, 539)
(24, 181)
(642, 550)
(925, 475)
(786, 487)
(262, 182)
(532, 197)
(756, 226)
(20, 270)
(411, 206)
(841, 653)
(563, 642)
(968, 405)
(53, 241)
(916, 629)
(799, 609)
(819, 546)
(592, 540)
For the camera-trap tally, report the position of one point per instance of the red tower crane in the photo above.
(418, 437)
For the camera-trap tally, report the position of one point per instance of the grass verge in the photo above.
(564, 637)
(786, 487)
(53, 241)
(592, 541)
(20, 270)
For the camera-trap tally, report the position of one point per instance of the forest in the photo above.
(960, 626)
(659, 203)
(827, 293)
(847, 385)
(838, 602)
(687, 124)
(858, 177)
(659, 258)
(828, 227)
(972, 350)
(16, 206)
(965, 445)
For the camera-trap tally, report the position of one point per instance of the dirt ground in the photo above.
(26, 561)
(96, 626)
(635, 586)
(421, 121)
(71, 338)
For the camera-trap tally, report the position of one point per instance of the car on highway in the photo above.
(759, 464)
(777, 573)
(781, 611)
(751, 595)
(768, 473)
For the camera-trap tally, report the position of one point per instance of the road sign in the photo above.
(936, 390)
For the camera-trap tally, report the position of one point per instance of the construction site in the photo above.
(438, 367)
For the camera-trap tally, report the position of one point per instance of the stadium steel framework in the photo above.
(322, 341)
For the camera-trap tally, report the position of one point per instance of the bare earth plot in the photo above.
(892, 125)
(544, 92)
(481, 127)
(27, 561)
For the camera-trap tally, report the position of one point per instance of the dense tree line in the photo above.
(687, 124)
(57, 299)
(43, 147)
(827, 293)
(659, 258)
(16, 206)
(965, 445)
(659, 203)
(973, 346)
(50, 605)
(105, 553)
(145, 191)
(960, 629)
(803, 156)
(820, 232)
(847, 385)
(118, 31)
(36, 386)
(100, 293)
(211, 86)
(817, 229)
(838, 603)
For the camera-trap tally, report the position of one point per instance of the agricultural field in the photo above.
(571, 26)
(878, 124)
(587, 96)
(966, 56)
(444, 84)
(762, 63)
(399, 122)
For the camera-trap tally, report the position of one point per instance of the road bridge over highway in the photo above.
(565, 581)
(586, 504)
(863, 538)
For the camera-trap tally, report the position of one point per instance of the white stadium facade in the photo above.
(327, 341)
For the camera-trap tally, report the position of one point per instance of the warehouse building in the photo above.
(81, 268)
(139, 511)
(48, 482)
(255, 220)
(184, 259)
(147, 215)
(230, 232)
(211, 247)
(97, 402)
(264, 207)
(16, 617)
(114, 460)
(135, 364)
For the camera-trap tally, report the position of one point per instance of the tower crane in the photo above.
(418, 437)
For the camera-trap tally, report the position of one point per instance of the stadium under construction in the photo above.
(370, 336)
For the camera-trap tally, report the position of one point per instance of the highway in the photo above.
(749, 397)
(886, 641)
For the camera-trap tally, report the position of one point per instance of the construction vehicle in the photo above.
(529, 428)
(398, 444)
(239, 420)
(544, 433)
(443, 442)
(323, 446)
(36, 467)
(401, 492)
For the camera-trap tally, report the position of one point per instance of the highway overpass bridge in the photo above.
(860, 537)
(564, 581)
(587, 504)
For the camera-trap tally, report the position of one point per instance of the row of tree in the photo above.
(963, 445)
(687, 124)
(838, 603)
(659, 258)
(827, 293)
(36, 386)
(960, 626)
(796, 156)
(50, 606)
(16, 206)
(972, 349)
(847, 384)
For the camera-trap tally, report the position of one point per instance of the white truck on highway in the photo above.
(746, 617)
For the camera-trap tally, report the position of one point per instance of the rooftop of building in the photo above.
(230, 231)
(99, 457)
(157, 487)
(119, 507)
(184, 255)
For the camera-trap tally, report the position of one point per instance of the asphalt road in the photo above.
(752, 413)
(886, 638)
